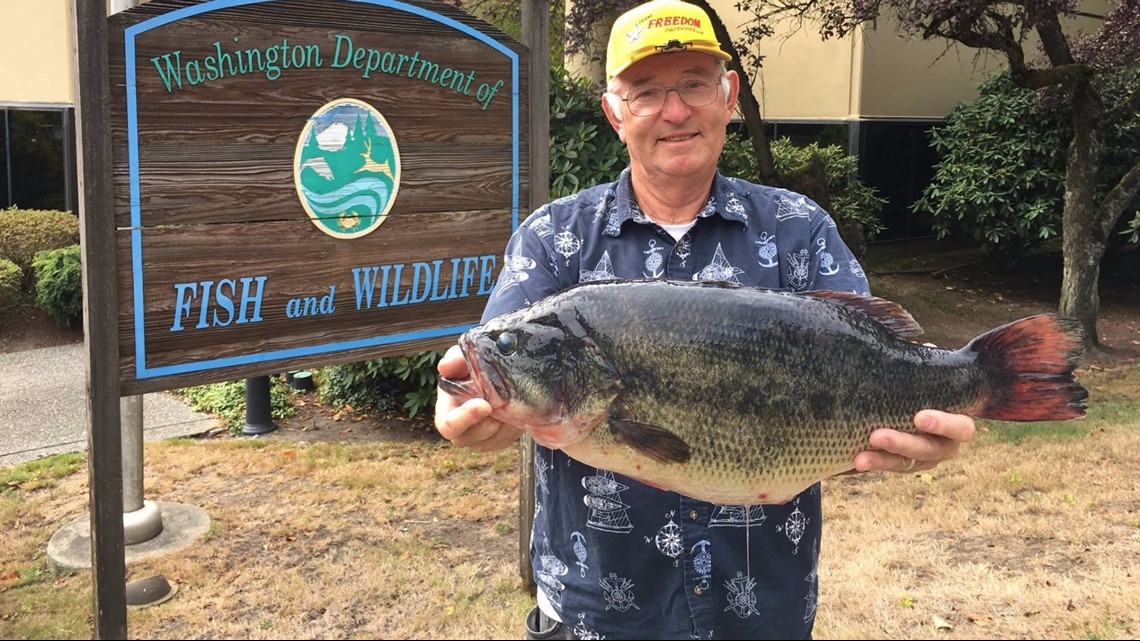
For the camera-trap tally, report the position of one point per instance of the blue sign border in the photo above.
(142, 371)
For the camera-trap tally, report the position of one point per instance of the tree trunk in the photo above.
(1084, 241)
(746, 101)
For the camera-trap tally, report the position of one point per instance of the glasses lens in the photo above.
(648, 100)
(697, 92)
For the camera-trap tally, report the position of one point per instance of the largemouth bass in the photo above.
(747, 396)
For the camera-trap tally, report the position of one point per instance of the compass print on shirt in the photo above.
(567, 244)
(794, 527)
(668, 540)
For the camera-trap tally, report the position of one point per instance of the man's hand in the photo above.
(468, 424)
(940, 435)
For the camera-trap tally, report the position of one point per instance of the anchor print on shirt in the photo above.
(702, 562)
(766, 252)
(793, 208)
(547, 576)
(801, 269)
(607, 512)
(619, 593)
(567, 244)
(654, 261)
(794, 526)
(827, 264)
(604, 270)
(668, 540)
(741, 598)
(580, 551)
(719, 269)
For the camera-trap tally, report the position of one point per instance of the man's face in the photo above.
(679, 141)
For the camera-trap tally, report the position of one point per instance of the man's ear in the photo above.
(733, 91)
(616, 123)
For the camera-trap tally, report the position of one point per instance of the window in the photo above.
(37, 159)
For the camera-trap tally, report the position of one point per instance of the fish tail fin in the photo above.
(1030, 366)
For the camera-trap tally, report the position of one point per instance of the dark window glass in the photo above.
(896, 159)
(5, 196)
(36, 159)
(803, 134)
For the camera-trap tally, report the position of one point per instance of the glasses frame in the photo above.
(718, 83)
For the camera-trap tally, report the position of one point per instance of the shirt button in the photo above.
(697, 590)
(693, 515)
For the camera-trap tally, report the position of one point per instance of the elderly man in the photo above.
(612, 557)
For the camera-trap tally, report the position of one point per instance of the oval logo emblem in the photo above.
(347, 168)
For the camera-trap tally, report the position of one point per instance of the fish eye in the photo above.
(507, 343)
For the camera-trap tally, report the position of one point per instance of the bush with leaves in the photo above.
(1001, 172)
(59, 284)
(852, 202)
(23, 232)
(11, 284)
(584, 149)
(395, 384)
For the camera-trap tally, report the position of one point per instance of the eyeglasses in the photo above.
(647, 100)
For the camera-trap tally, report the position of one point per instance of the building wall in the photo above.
(35, 52)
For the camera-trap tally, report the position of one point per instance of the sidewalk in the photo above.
(43, 406)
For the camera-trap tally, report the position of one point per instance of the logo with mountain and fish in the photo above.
(347, 168)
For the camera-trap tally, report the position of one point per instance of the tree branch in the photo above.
(1120, 197)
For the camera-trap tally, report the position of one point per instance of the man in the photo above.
(612, 557)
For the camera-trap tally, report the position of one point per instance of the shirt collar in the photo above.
(723, 201)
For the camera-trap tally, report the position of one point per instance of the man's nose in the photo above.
(675, 108)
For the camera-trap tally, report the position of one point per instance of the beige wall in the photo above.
(35, 52)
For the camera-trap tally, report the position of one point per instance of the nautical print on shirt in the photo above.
(619, 559)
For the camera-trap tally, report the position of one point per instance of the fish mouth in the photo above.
(471, 387)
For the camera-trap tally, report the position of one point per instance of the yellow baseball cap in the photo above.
(656, 27)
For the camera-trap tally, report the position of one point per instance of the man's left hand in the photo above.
(938, 439)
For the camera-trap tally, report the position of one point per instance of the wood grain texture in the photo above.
(216, 196)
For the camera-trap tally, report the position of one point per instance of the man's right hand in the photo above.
(468, 424)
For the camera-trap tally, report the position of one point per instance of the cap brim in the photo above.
(712, 49)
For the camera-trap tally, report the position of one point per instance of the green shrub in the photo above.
(11, 282)
(24, 232)
(853, 204)
(1000, 176)
(584, 149)
(59, 284)
(227, 401)
(399, 383)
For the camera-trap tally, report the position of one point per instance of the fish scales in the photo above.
(729, 394)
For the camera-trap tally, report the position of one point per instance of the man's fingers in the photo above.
(956, 427)
(452, 365)
(454, 423)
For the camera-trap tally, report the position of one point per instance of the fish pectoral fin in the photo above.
(655, 442)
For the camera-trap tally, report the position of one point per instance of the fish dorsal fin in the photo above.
(657, 443)
(888, 313)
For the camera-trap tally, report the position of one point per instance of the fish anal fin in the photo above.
(887, 313)
(655, 442)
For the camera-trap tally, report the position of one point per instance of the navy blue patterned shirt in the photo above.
(615, 558)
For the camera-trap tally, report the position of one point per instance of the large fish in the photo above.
(746, 396)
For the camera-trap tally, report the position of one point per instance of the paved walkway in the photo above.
(43, 406)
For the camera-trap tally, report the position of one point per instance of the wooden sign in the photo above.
(307, 182)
